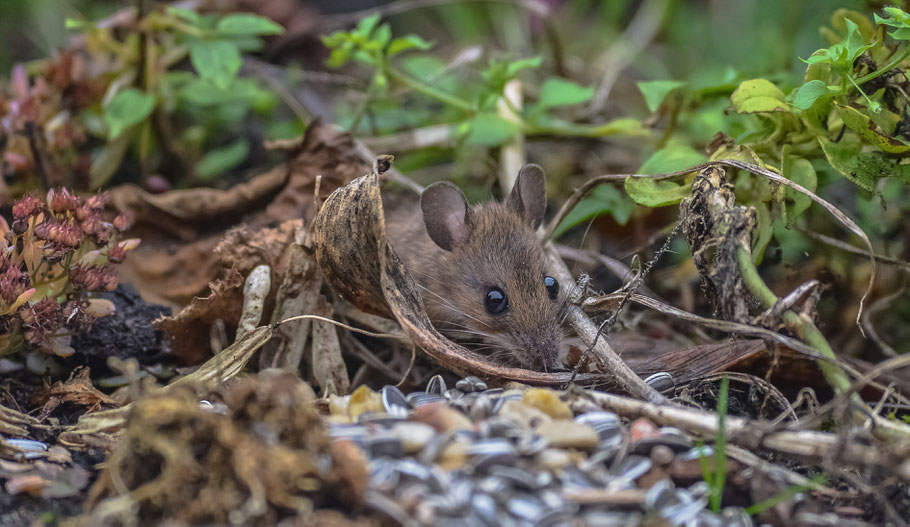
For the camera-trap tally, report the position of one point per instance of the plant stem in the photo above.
(861, 92)
(720, 448)
(888, 67)
(575, 130)
(805, 328)
(428, 90)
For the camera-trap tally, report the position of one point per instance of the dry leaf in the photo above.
(179, 229)
(78, 390)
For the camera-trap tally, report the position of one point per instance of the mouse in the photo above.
(482, 270)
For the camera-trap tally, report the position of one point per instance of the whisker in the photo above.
(445, 302)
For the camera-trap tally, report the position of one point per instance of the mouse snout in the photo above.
(540, 349)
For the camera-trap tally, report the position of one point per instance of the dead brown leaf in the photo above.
(179, 229)
(77, 389)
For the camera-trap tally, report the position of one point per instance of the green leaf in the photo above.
(380, 39)
(340, 55)
(854, 42)
(650, 193)
(513, 67)
(220, 160)
(489, 129)
(824, 55)
(127, 108)
(759, 96)
(335, 39)
(801, 171)
(408, 42)
(656, 91)
(185, 14)
(499, 72)
(900, 34)
(810, 92)
(247, 24)
(868, 130)
(556, 91)
(844, 53)
(365, 27)
(217, 61)
(671, 158)
(898, 17)
(603, 199)
(622, 126)
(865, 168)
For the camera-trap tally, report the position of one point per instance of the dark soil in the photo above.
(127, 333)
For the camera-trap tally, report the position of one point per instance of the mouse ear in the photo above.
(529, 195)
(446, 215)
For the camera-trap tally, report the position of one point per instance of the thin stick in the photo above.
(395, 336)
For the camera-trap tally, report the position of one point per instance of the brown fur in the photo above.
(502, 250)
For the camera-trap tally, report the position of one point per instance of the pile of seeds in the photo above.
(472, 455)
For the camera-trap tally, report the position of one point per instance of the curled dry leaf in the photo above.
(362, 268)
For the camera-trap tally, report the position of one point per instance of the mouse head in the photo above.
(495, 276)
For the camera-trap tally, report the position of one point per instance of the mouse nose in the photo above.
(543, 349)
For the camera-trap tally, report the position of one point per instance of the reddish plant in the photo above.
(55, 258)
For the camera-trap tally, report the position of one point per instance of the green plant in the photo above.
(55, 256)
(716, 476)
(848, 118)
(472, 108)
(149, 95)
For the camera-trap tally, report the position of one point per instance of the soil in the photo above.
(126, 333)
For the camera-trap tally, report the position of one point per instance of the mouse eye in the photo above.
(552, 286)
(496, 301)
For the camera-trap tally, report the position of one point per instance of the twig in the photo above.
(587, 330)
(368, 156)
(633, 286)
(596, 304)
(877, 306)
(638, 34)
(617, 267)
(363, 353)
(425, 137)
(809, 444)
(403, 6)
(395, 336)
(844, 246)
(805, 328)
(410, 366)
